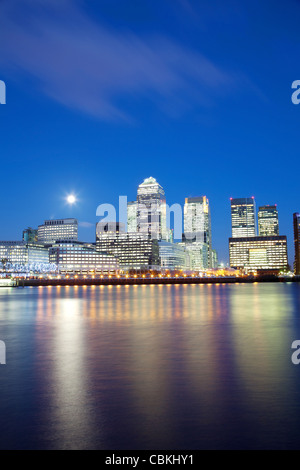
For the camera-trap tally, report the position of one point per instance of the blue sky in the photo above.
(101, 95)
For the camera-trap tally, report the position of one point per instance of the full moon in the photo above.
(71, 199)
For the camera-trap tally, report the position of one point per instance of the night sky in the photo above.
(101, 95)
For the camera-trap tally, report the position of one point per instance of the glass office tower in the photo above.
(197, 226)
(151, 209)
(243, 217)
(198, 253)
(296, 219)
(132, 249)
(174, 256)
(268, 221)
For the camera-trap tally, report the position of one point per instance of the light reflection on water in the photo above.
(164, 367)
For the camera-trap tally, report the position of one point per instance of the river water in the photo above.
(150, 367)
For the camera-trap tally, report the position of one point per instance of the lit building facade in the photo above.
(268, 225)
(296, 220)
(132, 216)
(173, 256)
(214, 259)
(151, 210)
(243, 217)
(198, 253)
(132, 249)
(259, 254)
(75, 257)
(19, 252)
(60, 229)
(197, 228)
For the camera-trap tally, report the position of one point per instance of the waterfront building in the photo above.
(197, 229)
(198, 252)
(214, 259)
(151, 210)
(296, 220)
(132, 216)
(74, 257)
(22, 253)
(243, 217)
(174, 256)
(30, 235)
(60, 229)
(133, 250)
(268, 225)
(259, 254)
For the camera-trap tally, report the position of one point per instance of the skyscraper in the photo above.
(243, 217)
(268, 221)
(151, 209)
(132, 216)
(197, 226)
(133, 250)
(60, 229)
(296, 218)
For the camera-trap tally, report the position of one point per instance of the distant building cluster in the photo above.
(256, 248)
(147, 217)
(147, 242)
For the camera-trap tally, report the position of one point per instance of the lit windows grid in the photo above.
(81, 259)
(243, 217)
(265, 253)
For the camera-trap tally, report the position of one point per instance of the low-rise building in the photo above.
(259, 254)
(75, 257)
(173, 256)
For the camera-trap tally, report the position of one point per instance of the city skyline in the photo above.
(238, 219)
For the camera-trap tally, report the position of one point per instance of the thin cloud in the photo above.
(90, 67)
(86, 224)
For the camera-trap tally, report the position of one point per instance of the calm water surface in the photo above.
(150, 367)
